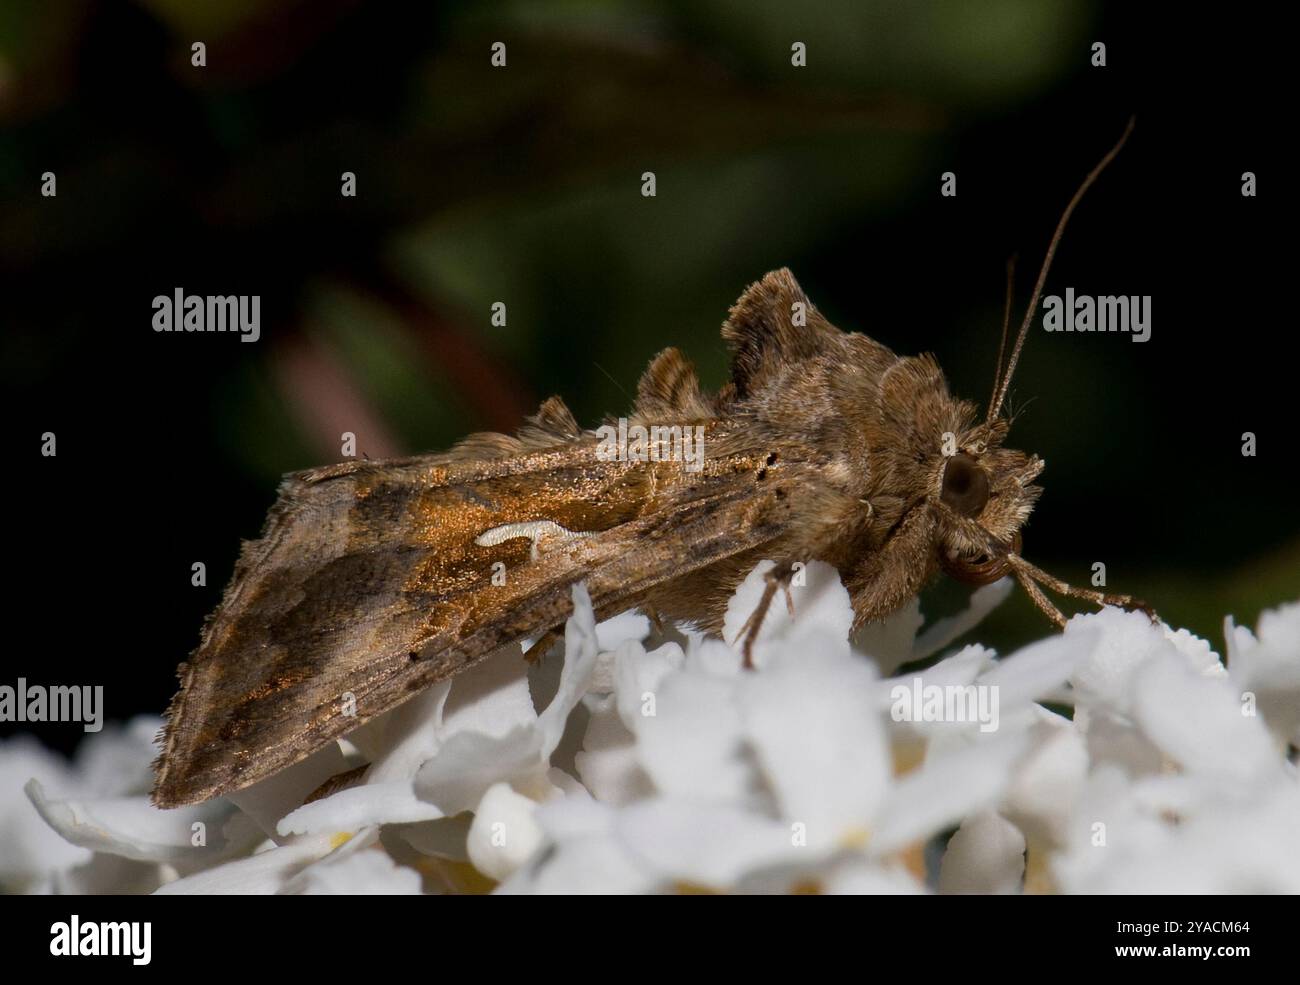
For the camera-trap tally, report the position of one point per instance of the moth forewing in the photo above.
(375, 580)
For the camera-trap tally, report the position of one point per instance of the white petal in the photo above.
(271, 799)
(857, 876)
(1183, 834)
(444, 838)
(471, 760)
(358, 807)
(637, 676)
(820, 742)
(1114, 739)
(1198, 722)
(596, 865)
(986, 855)
(365, 873)
(604, 676)
(1049, 780)
(504, 834)
(608, 761)
(714, 657)
(983, 600)
(564, 785)
(693, 746)
(583, 854)
(1268, 667)
(400, 740)
(822, 611)
(262, 874)
(1106, 831)
(705, 845)
(490, 698)
(1035, 671)
(744, 602)
(891, 642)
(135, 829)
(962, 668)
(1279, 631)
(29, 848)
(581, 648)
(945, 789)
(1240, 641)
(959, 670)
(1128, 641)
(469, 763)
(574, 819)
(630, 626)
(1200, 656)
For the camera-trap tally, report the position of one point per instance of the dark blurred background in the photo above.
(478, 184)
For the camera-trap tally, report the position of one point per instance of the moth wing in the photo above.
(372, 582)
(771, 327)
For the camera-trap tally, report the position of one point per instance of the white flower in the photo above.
(986, 855)
(31, 852)
(1266, 669)
(107, 836)
(633, 762)
(504, 833)
(773, 779)
(361, 873)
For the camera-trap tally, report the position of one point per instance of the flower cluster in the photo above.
(652, 762)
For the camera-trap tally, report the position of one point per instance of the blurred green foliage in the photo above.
(522, 185)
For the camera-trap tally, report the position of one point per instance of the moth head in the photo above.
(982, 493)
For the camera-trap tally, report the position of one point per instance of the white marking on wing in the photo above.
(534, 530)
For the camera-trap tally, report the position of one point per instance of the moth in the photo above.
(373, 580)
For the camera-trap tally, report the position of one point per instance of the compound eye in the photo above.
(965, 485)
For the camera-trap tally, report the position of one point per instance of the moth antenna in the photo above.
(1000, 394)
(1006, 325)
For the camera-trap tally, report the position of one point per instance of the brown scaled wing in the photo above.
(368, 581)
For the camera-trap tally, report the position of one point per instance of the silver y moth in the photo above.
(375, 579)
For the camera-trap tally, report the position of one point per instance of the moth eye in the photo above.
(965, 485)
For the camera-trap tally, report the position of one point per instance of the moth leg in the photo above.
(1024, 568)
(778, 576)
(1043, 603)
(653, 615)
(337, 782)
(538, 649)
